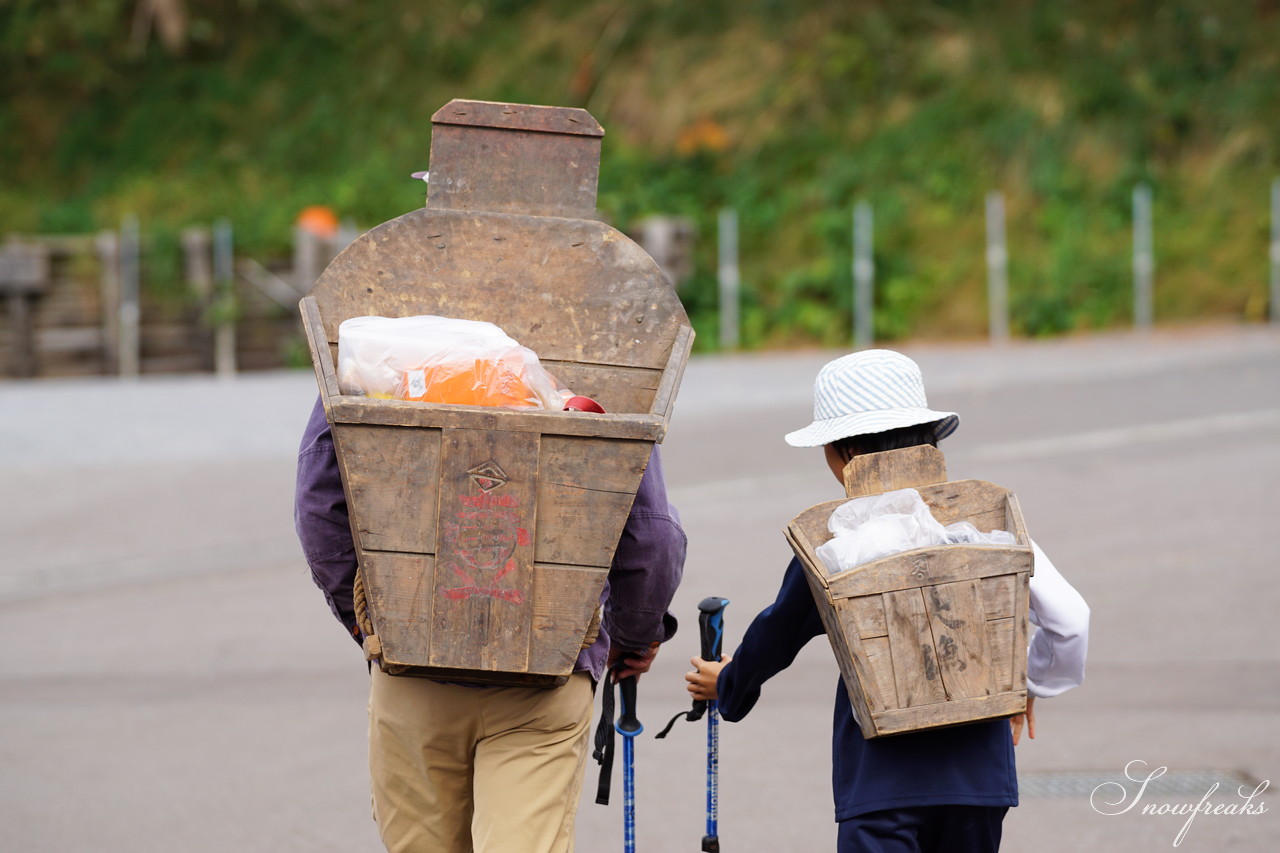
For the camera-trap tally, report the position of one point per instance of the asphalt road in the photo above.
(172, 681)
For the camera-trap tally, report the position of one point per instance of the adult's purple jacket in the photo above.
(646, 570)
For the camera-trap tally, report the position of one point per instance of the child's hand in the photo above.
(702, 680)
(1029, 718)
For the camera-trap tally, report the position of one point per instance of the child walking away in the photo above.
(942, 789)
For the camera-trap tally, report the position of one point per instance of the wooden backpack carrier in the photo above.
(934, 636)
(485, 535)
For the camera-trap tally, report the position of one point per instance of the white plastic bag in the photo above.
(964, 533)
(876, 526)
(442, 360)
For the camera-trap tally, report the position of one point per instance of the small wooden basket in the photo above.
(485, 535)
(930, 637)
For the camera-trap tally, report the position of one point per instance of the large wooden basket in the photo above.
(485, 535)
(935, 636)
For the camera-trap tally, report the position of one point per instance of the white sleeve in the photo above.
(1055, 659)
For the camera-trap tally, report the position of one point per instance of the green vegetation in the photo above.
(183, 111)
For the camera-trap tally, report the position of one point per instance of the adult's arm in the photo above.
(320, 517)
(770, 644)
(647, 567)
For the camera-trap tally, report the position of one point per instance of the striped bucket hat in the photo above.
(866, 392)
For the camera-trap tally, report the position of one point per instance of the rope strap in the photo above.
(372, 645)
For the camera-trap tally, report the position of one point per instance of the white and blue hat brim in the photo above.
(868, 392)
(827, 430)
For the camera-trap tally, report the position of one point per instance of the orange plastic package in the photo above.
(433, 359)
(499, 381)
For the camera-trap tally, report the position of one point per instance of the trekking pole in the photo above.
(711, 630)
(628, 726)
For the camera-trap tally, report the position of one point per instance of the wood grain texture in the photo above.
(911, 644)
(961, 711)
(585, 490)
(401, 598)
(908, 467)
(564, 601)
(391, 484)
(998, 596)
(569, 289)
(362, 410)
(484, 559)
(516, 158)
(1002, 639)
(941, 564)
(958, 621)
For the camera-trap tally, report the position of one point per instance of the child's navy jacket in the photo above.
(963, 765)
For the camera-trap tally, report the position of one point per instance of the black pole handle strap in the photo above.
(711, 639)
(605, 738)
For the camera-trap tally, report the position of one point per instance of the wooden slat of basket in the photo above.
(672, 375)
(401, 602)
(877, 473)
(363, 410)
(582, 507)
(958, 620)
(391, 475)
(998, 596)
(904, 720)
(943, 564)
(561, 597)
(1021, 606)
(1014, 524)
(911, 646)
(616, 389)
(313, 325)
(1001, 640)
(483, 575)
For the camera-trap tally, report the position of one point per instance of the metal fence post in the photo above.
(224, 337)
(864, 274)
(729, 281)
(129, 357)
(1143, 257)
(1275, 251)
(997, 270)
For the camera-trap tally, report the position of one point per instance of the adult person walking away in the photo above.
(459, 768)
(936, 791)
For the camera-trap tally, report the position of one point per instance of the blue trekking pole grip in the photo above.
(711, 632)
(628, 726)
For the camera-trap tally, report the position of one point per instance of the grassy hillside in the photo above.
(787, 111)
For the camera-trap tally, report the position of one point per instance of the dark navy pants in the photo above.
(924, 829)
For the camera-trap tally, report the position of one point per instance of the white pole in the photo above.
(1275, 251)
(130, 357)
(224, 337)
(864, 276)
(1143, 257)
(729, 282)
(997, 270)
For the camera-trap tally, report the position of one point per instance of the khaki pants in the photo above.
(491, 770)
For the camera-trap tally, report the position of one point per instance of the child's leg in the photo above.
(889, 831)
(963, 829)
(923, 829)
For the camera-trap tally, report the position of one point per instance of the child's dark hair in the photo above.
(894, 439)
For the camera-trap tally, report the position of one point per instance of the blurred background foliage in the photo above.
(184, 111)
